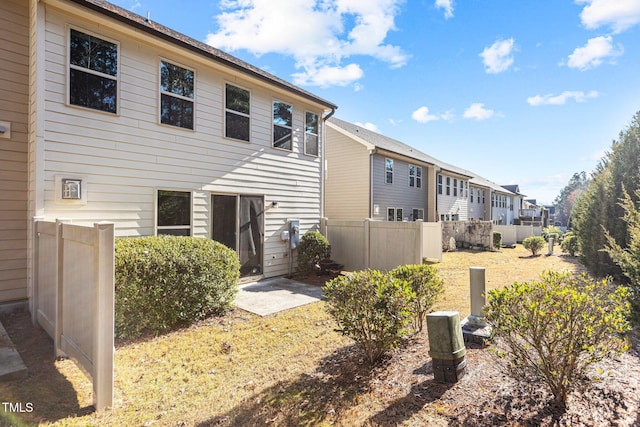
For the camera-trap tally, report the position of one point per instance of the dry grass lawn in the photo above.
(285, 369)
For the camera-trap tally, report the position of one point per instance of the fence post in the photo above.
(104, 321)
(57, 339)
(367, 243)
(35, 265)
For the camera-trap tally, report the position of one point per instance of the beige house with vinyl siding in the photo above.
(116, 118)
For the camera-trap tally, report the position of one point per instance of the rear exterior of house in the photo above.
(132, 123)
(453, 196)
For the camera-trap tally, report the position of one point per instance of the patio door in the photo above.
(238, 222)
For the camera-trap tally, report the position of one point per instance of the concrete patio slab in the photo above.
(11, 365)
(277, 294)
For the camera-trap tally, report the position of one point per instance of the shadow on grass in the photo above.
(311, 399)
(50, 395)
(420, 395)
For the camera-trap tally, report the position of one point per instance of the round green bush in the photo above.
(163, 281)
(497, 240)
(534, 244)
(313, 248)
(372, 308)
(551, 330)
(425, 284)
(570, 244)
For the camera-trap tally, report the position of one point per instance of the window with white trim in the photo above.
(448, 186)
(439, 184)
(237, 110)
(455, 187)
(176, 95)
(282, 126)
(395, 214)
(174, 213)
(418, 214)
(415, 176)
(388, 171)
(311, 134)
(93, 72)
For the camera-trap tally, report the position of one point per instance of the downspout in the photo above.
(323, 164)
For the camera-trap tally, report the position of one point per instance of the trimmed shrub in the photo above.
(554, 328)
(534, 244)
(163, 281)
(570, 244)
(425, 284)
(497, 240)
(372, 308)
(552, 231)
(313, 248)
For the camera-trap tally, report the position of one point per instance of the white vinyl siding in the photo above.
(127, 157)
(14, 108)
(453, 204)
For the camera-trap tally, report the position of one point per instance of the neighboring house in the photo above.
(372, 176)
(453, 193)
(517, 203)
(116, 118)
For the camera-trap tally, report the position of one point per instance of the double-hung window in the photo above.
(448, 186)
(439, 184)
(174, 213)
(176, 95)
(415, 176)
(455, 187)
(237, 104)
(311, 134)
(462, 189)
(388, 171)
(93, 72)
(282, 125)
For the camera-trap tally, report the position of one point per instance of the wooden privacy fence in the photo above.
(73, 297)
(382, 245)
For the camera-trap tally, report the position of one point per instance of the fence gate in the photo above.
(74, 295)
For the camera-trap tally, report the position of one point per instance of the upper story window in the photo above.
(472, 195)
(448, 186)
(415, 176)
(455, 187)
(174, 213)
(439, 184)
(311, 134)
(282, 125)
(93, 72)
(237, 104)
(176, 95)
(462, 188)
(388, 171)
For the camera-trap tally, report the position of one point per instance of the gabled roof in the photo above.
(188, 43)
(483, 182)
(381, 142)
(514, 188)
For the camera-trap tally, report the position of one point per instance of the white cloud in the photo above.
(592, 54)
(422, 115)
(368, 125)
(499, 56)
(550, 99)
(447, 6)
(318, 34)
(477, 111)
(620, 15)
(326, 76)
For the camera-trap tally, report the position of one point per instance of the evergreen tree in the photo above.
(569, 195)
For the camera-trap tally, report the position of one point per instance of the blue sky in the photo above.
(519, 91)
